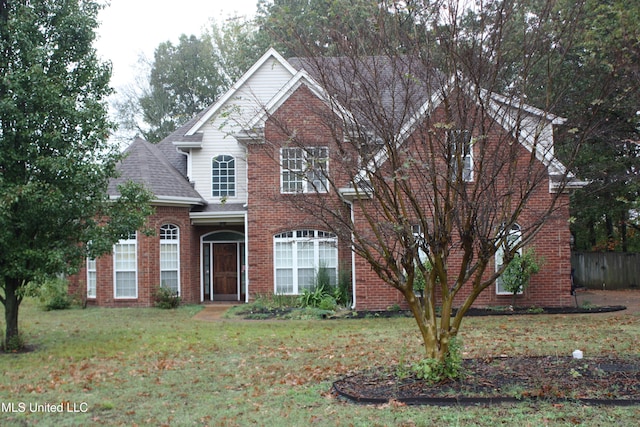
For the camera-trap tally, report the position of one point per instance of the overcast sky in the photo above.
(132, 27)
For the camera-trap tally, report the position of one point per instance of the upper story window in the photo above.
(304, 170)
(170, 257)
(125, 260)
(461, 144)
(223, 176)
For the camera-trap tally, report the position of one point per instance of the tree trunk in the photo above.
(11, 304)
(623, 231)
(592, 235)
(608, 222)
(427, 323)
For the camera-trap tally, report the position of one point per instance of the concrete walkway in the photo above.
(213, 312)
(630, 298)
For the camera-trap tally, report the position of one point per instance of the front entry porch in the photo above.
(223, 266)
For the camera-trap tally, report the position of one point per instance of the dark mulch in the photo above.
(265, 313)
(589, 380)
(492, 311)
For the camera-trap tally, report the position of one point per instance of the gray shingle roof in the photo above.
(167, 148)
(220, 208)
(146, 163)
(396, 86)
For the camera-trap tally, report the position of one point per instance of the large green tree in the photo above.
(181, 80)
(237, 44)
(184, 78)
(608, 52)
(597, 88)
(55, 160)
(294, 27)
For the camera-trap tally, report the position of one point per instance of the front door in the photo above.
(223, 261)
(225, 271)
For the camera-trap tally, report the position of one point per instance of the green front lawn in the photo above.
(155, 367)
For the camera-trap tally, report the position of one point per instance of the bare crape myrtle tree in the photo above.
(436, 155)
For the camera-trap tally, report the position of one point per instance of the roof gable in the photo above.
(207, 114)
(530, 126)
(299, 79)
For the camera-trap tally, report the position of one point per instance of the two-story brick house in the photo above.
(223, 227)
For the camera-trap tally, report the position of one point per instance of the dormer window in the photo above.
(223, 176)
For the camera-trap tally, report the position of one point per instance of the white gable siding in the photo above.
(247, 101)
(263, 85)
(216, 143)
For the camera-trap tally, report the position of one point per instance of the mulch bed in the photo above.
(494, 311)
(509, 379)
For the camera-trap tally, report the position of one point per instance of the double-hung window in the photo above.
(223, 176)
(170, 257)
(298, 256)
(304, 170)
(418, 235)
(461, 153)
(512, 239)
(125, 260)
(91, 278)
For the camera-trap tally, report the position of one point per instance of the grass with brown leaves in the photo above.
(159, 367)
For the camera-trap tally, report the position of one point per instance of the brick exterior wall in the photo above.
(270, 213)
(148, 255)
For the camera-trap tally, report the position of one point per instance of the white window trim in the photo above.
(307, 187)
(115, 271)
(235, 177)
(498, 259)
(92, 269)
(175, 242)
(317, 238)
(418, 234)
(453, 135)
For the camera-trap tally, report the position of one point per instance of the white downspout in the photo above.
(201, 271)
(353, 257)
(189, 164)
(246, 256)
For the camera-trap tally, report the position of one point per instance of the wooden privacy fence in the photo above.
(608, 270)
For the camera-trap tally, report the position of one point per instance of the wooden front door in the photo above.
(225, 271)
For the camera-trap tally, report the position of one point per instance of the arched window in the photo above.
(125, 267)
(170, 257)
(299, 254)
(223, 176)
(512, 239)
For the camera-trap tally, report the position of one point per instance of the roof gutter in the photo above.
(170, 200)
(229, 217)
